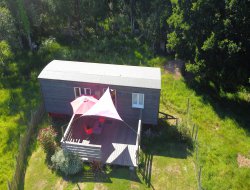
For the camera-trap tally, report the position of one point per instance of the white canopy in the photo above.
(104, 108)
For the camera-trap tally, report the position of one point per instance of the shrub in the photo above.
(96, 166)
(66, 162)
(141, 159)
(5, 55)
(47, 138)
(50, 49)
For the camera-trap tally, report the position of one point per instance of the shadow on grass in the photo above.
(167, 140)
(145, 169)
(162, 140)
(103, 176)
(31, 148)
(225, 107)
(60, 125)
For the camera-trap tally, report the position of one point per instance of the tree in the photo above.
(7, 27)
(24, 21)
(212, 36)
(5, 55)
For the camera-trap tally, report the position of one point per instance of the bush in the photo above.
(50, 49)
(96, 166)
(47, 138)
(5, 55)
(66, 162)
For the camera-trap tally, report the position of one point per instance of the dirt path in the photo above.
(174, 67)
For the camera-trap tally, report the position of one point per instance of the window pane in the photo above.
(77, 91)
(87, 91)
(141, 99)
(134, 98)
(82, 91)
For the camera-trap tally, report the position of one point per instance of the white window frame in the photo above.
(138, 105)
(85, 91)
(79, 92)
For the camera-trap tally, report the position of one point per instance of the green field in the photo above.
(202, 48)
(223, 131)
(167, 166)
(223, 134)
(220, 139)
(15, 106)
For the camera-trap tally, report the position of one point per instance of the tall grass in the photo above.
(220, 138)
(15, 106)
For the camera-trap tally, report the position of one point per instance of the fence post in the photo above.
(188, 104)
(199, 178)
(62, 132)
(8, 185)
(192, 135)
(177, 122)
(188, 107)
(22, 150)
(196, 133)
(196, 147)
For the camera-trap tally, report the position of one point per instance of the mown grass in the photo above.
(222, 133)
(169, 166)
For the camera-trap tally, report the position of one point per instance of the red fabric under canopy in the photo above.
(104, 107)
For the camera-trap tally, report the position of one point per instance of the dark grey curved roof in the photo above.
(121, 75)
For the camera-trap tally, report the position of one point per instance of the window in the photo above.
(87, 91)
(137, 100)
(77, 91)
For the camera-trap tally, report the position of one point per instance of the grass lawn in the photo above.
(171, 168)
(15, 106)
(223, 131)
(169, 164)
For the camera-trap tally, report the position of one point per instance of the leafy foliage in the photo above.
(47, 138)
(66, 162)
(96, 166)
(7, 27)
(5, 56)
(50, 49)
(212, 36)
(5, 52)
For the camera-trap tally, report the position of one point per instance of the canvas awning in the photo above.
(104, 107)
(82, 104)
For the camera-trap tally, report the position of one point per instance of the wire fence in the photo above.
(36, 117)
(194, 135)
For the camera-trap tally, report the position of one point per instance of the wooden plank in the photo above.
(87, 155)
(68, 128)
(81, 144)
(113, 132)
(83, 150)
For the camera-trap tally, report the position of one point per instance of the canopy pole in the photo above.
(130, 127)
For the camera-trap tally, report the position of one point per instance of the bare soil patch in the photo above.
(243, 161)
(174, 67)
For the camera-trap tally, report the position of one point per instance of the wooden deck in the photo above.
(117, 141)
